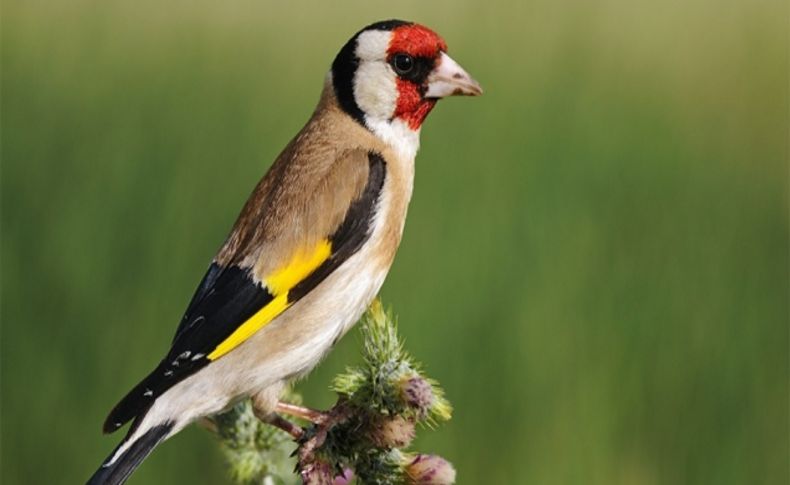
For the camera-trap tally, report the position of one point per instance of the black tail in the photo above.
(118, 471)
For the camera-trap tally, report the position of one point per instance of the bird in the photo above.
(310, 249)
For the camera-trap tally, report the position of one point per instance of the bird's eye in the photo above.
(403, 63)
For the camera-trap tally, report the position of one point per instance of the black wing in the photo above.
(225, 298)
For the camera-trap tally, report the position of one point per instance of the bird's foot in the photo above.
(319, 418)
(278, 421)
(312, 437)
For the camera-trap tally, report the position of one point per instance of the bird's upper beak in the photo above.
(450, 79)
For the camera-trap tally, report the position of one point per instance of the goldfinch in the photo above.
(310, 249)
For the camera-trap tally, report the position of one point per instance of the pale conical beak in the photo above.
(450, 79)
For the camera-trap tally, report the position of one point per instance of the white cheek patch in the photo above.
(372, 45)
(375, 89)
(376, 94)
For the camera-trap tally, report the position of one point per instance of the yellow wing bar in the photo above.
(279, 283)
(301, 265)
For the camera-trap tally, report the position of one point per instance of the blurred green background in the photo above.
(595, 264)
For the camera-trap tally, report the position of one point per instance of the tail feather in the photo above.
(134, 404)
(117, 469)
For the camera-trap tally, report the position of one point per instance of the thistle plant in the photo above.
(363, 438)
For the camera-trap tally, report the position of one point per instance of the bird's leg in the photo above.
(301, 412)
(280, 422)
(262, 406)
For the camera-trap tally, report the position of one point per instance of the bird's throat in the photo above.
(411, 106)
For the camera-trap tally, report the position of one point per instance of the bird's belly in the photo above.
(294, 342)
(297, 340)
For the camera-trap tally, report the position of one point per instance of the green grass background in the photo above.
(595, 263)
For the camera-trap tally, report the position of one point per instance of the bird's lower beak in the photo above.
(450, 79)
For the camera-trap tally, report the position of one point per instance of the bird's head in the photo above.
(393, 73)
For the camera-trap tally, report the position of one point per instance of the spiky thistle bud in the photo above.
(391, 432)
(417, 394)
(430, 470)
